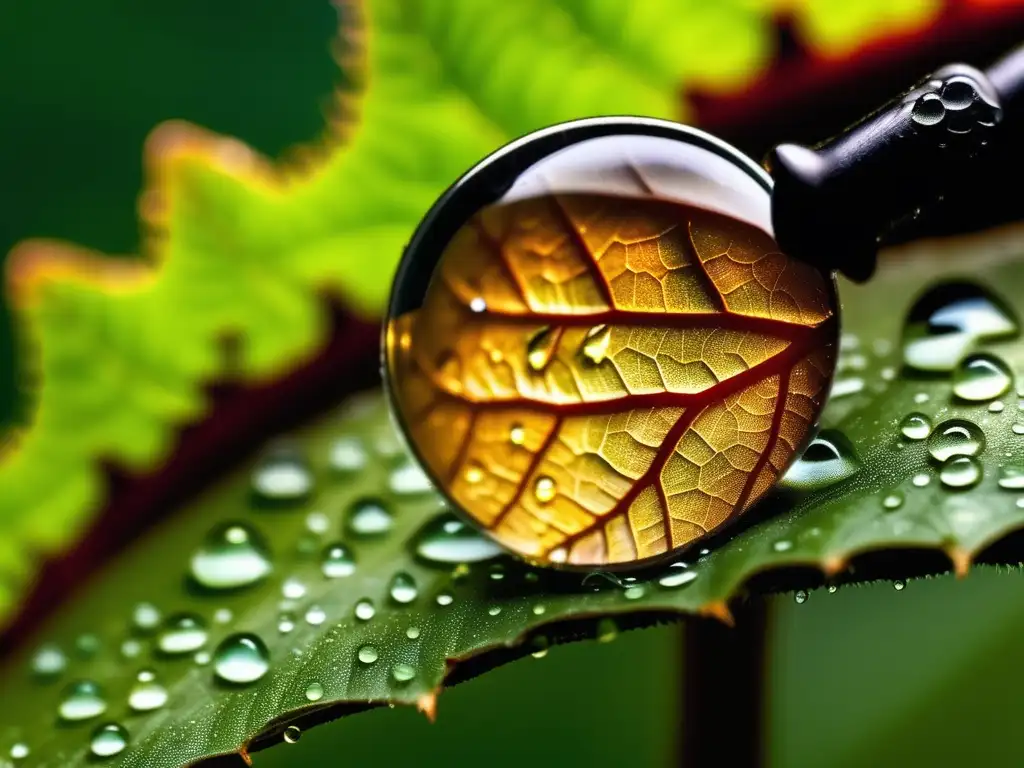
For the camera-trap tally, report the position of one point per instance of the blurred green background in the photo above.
(927, 676)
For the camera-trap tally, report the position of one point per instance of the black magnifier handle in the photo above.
(834, 202)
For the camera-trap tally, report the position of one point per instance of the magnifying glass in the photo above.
(611, 337)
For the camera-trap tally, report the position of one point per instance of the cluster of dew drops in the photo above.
(944, 340)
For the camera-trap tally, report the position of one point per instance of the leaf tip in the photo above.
(833, 565)
(961, 560)
(718, 609)
(427, 704)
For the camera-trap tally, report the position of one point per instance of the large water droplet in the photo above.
(409, 479)
(108, 740)
(364, 609)
(677, 575)
(403, 673)
(19, 751)
(892, 501)
(147, 694)
(81, 700)
(292, 734)
(403, 588)
(348, 454)
(541, 346)
(48, 661)
(182, 633)
(447, 540)
(367, 654)
(369, 517)
(1011, 477)
(595, 345)
(915, 426)
(956, 437)
(948, 321)
(293, 589)
(960, 472)
(232, 555)
(241, 659)
(338, 561)
(315, 615)
(314, 692)
(282, 478)
(829, 459)
(981, 377)
(146, 617)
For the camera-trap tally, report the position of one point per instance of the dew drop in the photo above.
(899, 585)
(544, 489)
(981, 377)
(996, 406)
(368, 654)
(282, 478)
(445, 598)
(146, 694)
(314, 692)
(478, 304)
(893, 501)
(293, 589)
(540, 348)
(369, 517)
(108, 740)
(182, 633)
(782, 545)
(915, 426)
(365, 610)
(285, 623)
(446, 540)
(131, 648)
(403, 673)
(474, 472)
(347, 454)
(403, 588)
(829, 459)
(145, 617)
(223, 615)
(494, 610)
(81, 700)
(315, 615)
(634, 592)
(19, 751)
(540, 643)
(412, 632)
(921, 479)
(517, 434)
(539, 609)
(595, 345)
(677, 575)
(409, 479)
(201, 658)
(832, 589)
(232, 555)
(607, 630)
(1017, 429)
(846, 387)
(960, 472)
(921, 398)
(1011, 477)
(800, 596)
(956, 437)
(48, 661)
(337, 561)
(241, 659)
(292, 734)
(87, 645)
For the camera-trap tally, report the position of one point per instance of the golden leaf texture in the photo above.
(600, 380)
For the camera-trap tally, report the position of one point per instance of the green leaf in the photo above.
(470, 618)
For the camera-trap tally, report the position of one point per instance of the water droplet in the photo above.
(146, 694)
(409, 479)
(338, 561)
(447, 540)
(241, 659)
(293, 589)
(478, 304)
(368, 654)
(364, 610)
(847, 386)
(829, 459)
(956, 437)
(893, 501)
(315, 615)
(182, 633)
(539, 609)
(677, 575)
(292, 734)
(403, 588)
(1017, 429)
(494, 610)
(445, 598)
(832, 589)
(81, 700)
(317, 523)
(921, 398)
(948, 321)
(369, 517)
(285, 623)
(915, 426)
(898, 585)
(412, 632)
(282, 478)
(800, 596)
(928, 110)
(517, 435)
(544, 489)
(403, 673)
(782, 545)
(474, 472)
(201, 658)
(48, 661)
(607, 630)
(981, 377)
(541, 644)
(921, 479)
(540, 348)
(996, 406)
(347, 454)
(19, 751)
(635, 592)
(1011, 477)
(131, 648)
(314, 691)
(960, 472)
(595, 345)
(232, 555)
(108, 740)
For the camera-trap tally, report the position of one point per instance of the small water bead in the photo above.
(368, 654)
(635, 592)
(899, 585)
(318, 523)
(182, 633)
(282, 477)
(201, 658)
(403, 673)
(598, 580)
(960, 472)
(338, 561)
(782, 545)
(540, 348)
(915, 426)
(146, 694)
(232, 555)
(981, 377)
(365, 610)
(131, 648)
(369, 517)
(403, 588)
(494, 610)
(921, 398)
(544, 489)
(478, 304)
(108, 740)
(474, 472)
(223, 615)
(496, 572)
(1020, 503)
(559, 555)
(1011, 477)
(956, 437)
(445, 598)
(293, 589)
(315, 615)
(292, 734)
(800, 596)
(847, 386)
(19, 751)
(677, 575)
(829, 459)
(412, 632)
(888, 373)
(446, 540)
(607, 630)
(241, 659)
(409, 479)
(541, 644)
(314, 691)
(81, 700)
(892, 501)
(48, 661)
(539, 609)
(347, 454)
(921, 479)
(996, 406)
(87, 645)
(596, 343)
(832, 589)
(517, 434)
